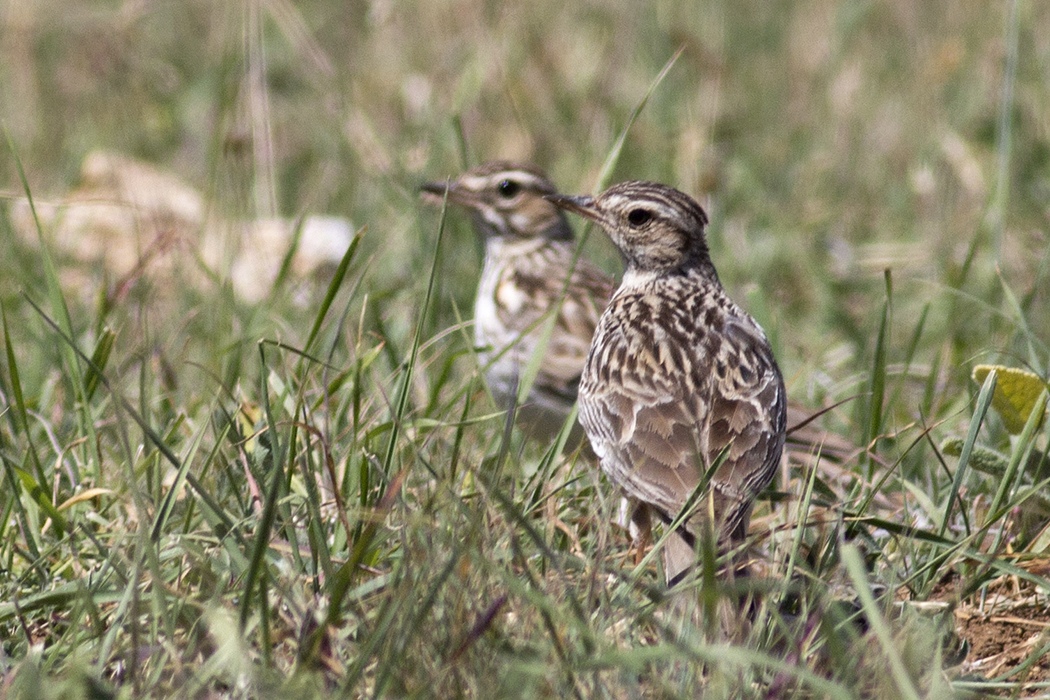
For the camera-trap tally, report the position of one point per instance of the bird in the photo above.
(531, 270)
(680, 392)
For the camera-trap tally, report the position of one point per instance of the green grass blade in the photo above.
(855, 567)
(264, 529)
(614, 154)
(333, 289)
(984, 402)
(39, 495)
(21, 412)
(873, 428)
(151, 434)
(99, 358)
(167, 505)
(401, 404)
(1023, 447)
(58, 305)
(1004, 132)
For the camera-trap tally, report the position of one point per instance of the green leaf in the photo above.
(1016, 393)
(40, 496)
(103, 349)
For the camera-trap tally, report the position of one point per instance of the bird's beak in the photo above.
(582, 205)
(434, 192)
(435, 187)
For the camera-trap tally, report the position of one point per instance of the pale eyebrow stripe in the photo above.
(480, 182)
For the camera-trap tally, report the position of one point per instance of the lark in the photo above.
(680, 393)
(531, 270)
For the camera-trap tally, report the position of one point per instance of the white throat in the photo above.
(638, 278)
(503, 247)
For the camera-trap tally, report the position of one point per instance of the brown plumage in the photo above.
(530, 271)
(678, 376)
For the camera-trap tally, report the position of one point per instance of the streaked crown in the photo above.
(506, 199)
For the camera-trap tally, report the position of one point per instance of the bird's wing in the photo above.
(585, 296)
(746, 418)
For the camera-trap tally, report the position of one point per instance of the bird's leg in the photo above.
(634, 517)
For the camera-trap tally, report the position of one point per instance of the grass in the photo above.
(313, 495)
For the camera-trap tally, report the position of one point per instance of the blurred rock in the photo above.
(124, 215)
(322, 241)
(133, 220)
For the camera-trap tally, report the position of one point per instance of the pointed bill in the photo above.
(583, 205)
(434, 191)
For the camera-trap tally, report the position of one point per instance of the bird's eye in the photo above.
(639, 217)
(508, 188)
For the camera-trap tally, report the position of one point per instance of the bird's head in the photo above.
(505, 200)
(657, 228)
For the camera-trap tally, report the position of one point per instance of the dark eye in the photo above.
(508, 188)
(639, 217)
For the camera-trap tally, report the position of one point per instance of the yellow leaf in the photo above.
(1016, 392)
(85, 495)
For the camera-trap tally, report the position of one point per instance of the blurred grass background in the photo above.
(830, 141)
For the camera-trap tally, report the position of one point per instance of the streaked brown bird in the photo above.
(679, 380)
(531, 271)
